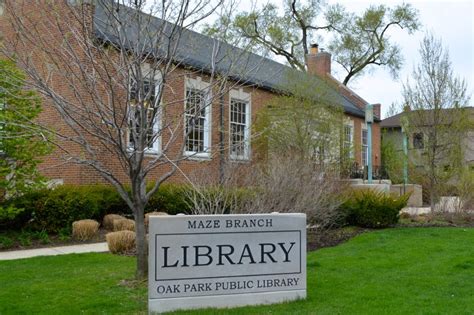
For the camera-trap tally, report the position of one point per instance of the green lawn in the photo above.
(393, 271)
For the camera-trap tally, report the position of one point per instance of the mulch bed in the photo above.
(438, 220)
(54, 241)
(329, 238)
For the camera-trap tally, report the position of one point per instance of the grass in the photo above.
(393, 271)
(70, 284)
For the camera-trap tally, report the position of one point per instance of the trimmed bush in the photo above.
(124, 225)
(85, 229)
(373, 209)
(121, 242)
(109, 219)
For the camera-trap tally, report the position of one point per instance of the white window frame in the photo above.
(362, 146)
(241, 96)
(156, 147)
(199, 84)
(349, 123)
(322, 152)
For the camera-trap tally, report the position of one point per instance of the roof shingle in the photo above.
(203, 52)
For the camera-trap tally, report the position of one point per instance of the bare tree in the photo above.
(281, 183)
(437, 120)
(108, 69)
(205, 195)
(308, 121)
(299, 152)
(309, 189)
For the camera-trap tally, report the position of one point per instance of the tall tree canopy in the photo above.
(357, 43)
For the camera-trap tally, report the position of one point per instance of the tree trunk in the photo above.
(142, 244)
(432, 194)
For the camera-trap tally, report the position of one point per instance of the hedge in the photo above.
(373, 209)
(55, 209)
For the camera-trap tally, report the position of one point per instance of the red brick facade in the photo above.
(55, 167)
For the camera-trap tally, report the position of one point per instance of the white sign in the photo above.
(225, 260)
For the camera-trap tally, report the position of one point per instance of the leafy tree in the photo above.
(21, 144)
(356, 42)
(437, 99)
(363, 41)
(392, 159)
(306, 123)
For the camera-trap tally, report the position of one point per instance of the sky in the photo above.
(450, 20)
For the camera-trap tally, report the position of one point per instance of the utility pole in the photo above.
(405, 159)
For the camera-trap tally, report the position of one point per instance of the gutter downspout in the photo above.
(221, 140)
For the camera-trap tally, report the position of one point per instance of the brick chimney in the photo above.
(319, 62)
(377, 110)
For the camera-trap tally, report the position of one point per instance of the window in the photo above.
(239, 125)
(322, 150)
(418, 141)
(365, 148)
(144, 99)
(348, 141)
(197, 118)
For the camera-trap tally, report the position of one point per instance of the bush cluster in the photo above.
(170, 198)
(54, 209)
(372, 209)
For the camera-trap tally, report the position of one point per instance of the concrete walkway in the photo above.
(53, 251)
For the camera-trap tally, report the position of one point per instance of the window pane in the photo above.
(195, 120)
(348, 141)
(418, 140)
(365, 148)
(364, 137)
(141, 97)
(238, 127)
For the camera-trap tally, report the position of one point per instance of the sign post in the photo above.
(405, 159)
(369, 119)
(225, 260)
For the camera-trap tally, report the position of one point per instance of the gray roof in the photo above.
(395, 121)
(203, 52)
(392, 122)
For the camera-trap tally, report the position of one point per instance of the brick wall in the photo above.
(55, 167)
